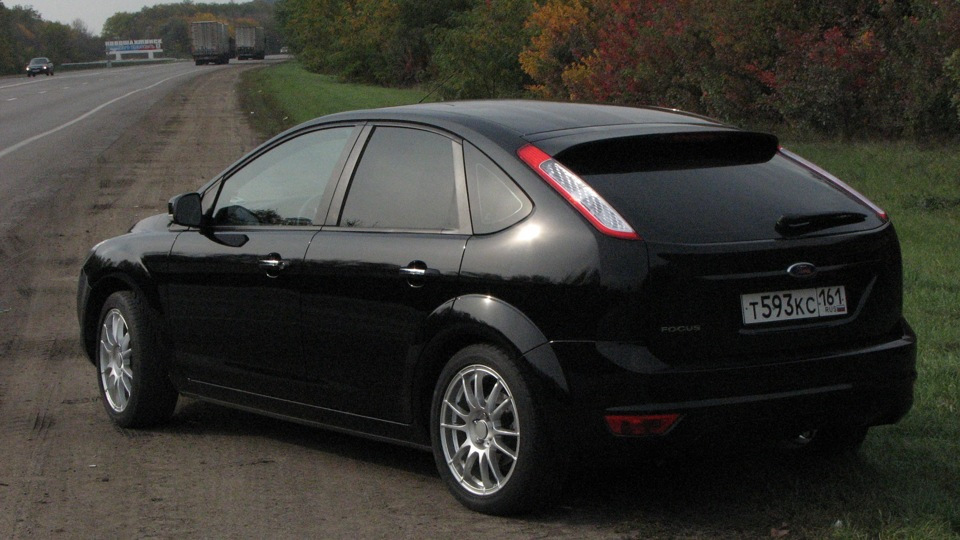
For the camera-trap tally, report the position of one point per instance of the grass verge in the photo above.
(905, 482)
(282, 96)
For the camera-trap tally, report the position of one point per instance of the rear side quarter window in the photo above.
(496, 202)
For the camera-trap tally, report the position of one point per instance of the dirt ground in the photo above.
(67, 471)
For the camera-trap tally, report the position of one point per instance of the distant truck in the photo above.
(210, 42)
(251, 43)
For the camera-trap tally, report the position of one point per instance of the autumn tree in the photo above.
(562, 33)
(836, 67)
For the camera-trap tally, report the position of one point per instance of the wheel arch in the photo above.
(100, 290)
(472, 319)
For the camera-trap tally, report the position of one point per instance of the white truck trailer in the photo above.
(251, 43)
(210, 42)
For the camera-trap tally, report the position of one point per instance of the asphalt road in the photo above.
(53, 128)
(54, 125)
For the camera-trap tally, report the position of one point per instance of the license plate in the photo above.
(790, 305)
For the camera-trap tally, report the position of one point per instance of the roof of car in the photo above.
(528, 117)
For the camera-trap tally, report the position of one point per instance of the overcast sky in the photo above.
(92, 12)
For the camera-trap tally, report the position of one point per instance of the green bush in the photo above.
(952, 67)
(477, 55)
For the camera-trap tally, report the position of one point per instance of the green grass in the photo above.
(905, 482)
(285, 95)
(920, 188)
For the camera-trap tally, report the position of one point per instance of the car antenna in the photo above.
(436, 87)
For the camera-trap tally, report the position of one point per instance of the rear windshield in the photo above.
(668, 196)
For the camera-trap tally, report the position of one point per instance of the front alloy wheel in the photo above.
(116, 376)
(480, 430)
(131, 363)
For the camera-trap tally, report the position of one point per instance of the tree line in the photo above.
(887, 68)
(25, 35)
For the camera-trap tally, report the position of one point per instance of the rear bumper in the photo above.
(865, 386)
(210, 57)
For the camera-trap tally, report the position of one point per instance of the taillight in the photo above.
(839, 183)
(641, 424)
(578, 193)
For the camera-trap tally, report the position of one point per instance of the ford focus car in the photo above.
(509, 284)
(38, 66)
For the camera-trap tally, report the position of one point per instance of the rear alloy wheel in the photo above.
(480, 431)
(131, 374)
(489, 444)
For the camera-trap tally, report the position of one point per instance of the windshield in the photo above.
(39, 61)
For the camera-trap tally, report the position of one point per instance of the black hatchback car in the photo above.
(509, 284)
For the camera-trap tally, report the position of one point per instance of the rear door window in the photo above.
(407, 179)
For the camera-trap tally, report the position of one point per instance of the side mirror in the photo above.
(186, 210)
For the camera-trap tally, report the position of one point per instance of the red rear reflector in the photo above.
(638, 425)
(578, 193)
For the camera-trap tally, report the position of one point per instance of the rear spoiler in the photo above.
(663, 151)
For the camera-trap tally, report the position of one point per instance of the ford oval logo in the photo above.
(802, 270)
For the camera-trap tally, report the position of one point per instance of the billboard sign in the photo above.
(133, 45)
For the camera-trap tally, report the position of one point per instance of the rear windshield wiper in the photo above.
(795, 224)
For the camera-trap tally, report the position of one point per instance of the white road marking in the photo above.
(12, 99)
(84, 116)
(78, 75)
(18, 84)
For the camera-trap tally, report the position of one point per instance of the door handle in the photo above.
(417, 272)
(273, 264)
(413, 272)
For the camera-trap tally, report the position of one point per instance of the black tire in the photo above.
(532, 476)
(129, 347)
